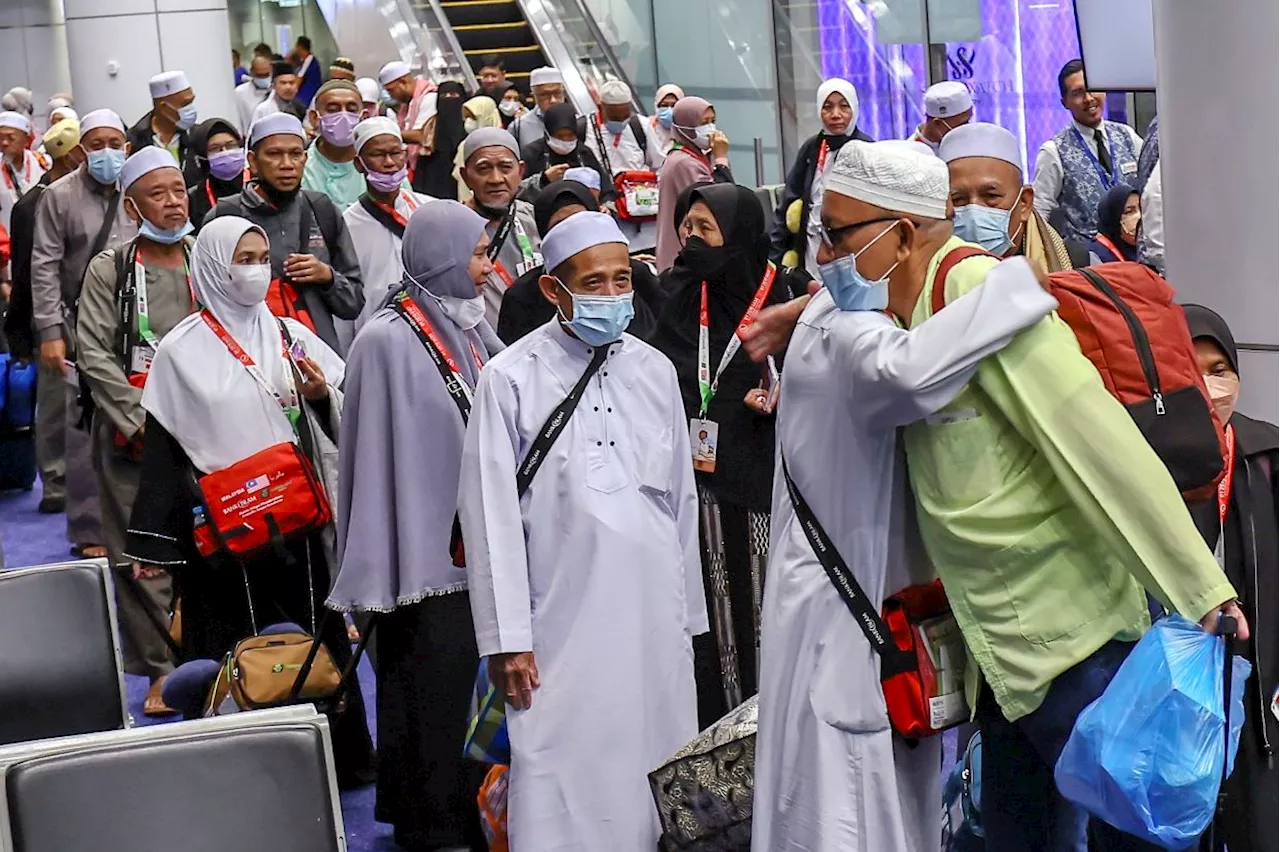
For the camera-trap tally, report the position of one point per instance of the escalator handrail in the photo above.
(614, 64)
(558, 54)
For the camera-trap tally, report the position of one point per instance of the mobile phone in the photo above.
(297, 353)
(772, 384)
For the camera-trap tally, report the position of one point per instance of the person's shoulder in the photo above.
(1254, 436)
(102, 265)
(66, 184)
(516, 357)
(648, 360)
(524, 209)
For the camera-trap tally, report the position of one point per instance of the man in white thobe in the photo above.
(830, 773)
(623, 142)
(587, 590)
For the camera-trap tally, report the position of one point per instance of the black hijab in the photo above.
(204, 183)
(562, 193)
(433, 174)
(1110, 209)
(562, 116)
(1208, 324)
(733, 272)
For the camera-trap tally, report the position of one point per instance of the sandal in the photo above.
(154, 707)
(89, 551)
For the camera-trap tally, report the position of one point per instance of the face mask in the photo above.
(986, 226)
(249, 283)
(466, 313)
(263, 83)
(615, 127)
(157, 234)
(470, 125)
(509, 108)
(598, 320)
(228, 164)
(560, 146)
(105, 165)
(1129, 223)
(703, 260)
(703, 135)
(384, 183)
(1223, 390)
(187, 116)
(338, 128)
(849, 288)
(666, 115)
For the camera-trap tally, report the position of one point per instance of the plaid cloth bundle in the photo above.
(487, 739)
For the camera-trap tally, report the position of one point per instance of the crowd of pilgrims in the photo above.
(406, 280)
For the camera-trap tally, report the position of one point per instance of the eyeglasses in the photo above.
(831, 236)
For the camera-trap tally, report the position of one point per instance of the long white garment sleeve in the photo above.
(830, 774)
(595, 570)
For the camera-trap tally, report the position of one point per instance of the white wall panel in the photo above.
(200, 44)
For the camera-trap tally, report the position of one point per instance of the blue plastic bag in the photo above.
(1146, 756)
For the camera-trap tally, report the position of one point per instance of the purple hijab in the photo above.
(401, 436)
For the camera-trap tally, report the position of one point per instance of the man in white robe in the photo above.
(830, 773)
(587, 590)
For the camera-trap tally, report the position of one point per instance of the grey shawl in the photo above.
(401, 446)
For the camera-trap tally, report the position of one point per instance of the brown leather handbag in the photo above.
(267, 671)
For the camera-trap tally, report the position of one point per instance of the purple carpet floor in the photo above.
(30, 538)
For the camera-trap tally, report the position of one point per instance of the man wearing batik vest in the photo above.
(1083, 161)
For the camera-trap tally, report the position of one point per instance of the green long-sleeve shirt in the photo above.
(1046, 512)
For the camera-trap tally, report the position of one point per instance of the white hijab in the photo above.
(844, 87)
(198, 391)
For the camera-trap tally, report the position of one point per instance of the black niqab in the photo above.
(433, 174)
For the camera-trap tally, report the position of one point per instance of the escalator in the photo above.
(495, 27)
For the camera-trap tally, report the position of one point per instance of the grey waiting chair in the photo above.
(60, 666)
(260, 781)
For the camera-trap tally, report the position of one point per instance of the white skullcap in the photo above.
(16, 120)
(58, 101)
(147, 160)
(943, 100)
(545, 76)
(394, 70)
(844, 87)
(615, 92)
(368, 89)
(904, 177)
(486, 137)
(588, 177)
(168, 83)
(273, 125)
(64, 111)
(18, 99)
(101, 118)
(980, 139)
(578, 233)
(667, 89)
(377, 126)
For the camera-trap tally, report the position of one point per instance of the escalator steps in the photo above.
(463, 12)
(485, 27)
(489, 37)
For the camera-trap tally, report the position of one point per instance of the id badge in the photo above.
(524, 266)
(704, 438)
(143, 355)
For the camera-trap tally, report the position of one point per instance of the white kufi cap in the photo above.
(168, 83)
(578, 233)
(615, 92)
(588, 177)
(904, 177)
(394, 71)
(100, 118)
(368, 89)
(981, 140)
(274, 124)
(16, 120)
(376, 126)
(943, 100)
(545, 76)
(145, 161)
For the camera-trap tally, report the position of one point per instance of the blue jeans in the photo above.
(1022, 810)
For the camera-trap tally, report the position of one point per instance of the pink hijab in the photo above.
(687, 115)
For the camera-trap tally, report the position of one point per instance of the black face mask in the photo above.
(493, 214)
(279, 197)
(703, 260)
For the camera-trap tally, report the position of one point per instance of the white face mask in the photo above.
(466, 313)
(470, 125)
(703, 135)
(561, 146)
(249, 283)
(509, 108)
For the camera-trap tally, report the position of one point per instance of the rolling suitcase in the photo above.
(17, 423)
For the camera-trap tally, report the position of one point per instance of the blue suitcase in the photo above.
(17, 423)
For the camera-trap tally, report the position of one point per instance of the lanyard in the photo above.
(1224, 484)
(291, 409)
(522, 240)
(692, 152)
(140, 296)
(11, 179)
(410, 312)
(1108, 180)
(707, 386)
(822, 155)
(395, 214)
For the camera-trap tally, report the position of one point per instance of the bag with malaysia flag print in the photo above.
(262, 501)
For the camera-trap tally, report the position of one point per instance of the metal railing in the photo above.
(425, 40)
(572, 41)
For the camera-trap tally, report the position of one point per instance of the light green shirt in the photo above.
(340, 181)
(1046, 512)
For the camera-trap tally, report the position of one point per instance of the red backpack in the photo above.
(1128, 325)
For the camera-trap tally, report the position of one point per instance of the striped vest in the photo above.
(1082, 183)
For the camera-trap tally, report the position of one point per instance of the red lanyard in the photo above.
(395, 214)
(1224, 484)
(424, 326)
(1110, 246)
(692, 152)
(502, 272)
(707, 386)
(822, 155)
(26, 173)
(290, 409)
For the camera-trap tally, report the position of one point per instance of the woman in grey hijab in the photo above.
(401, 450)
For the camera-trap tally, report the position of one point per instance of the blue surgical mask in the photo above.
(105, 165)
(598, 320)
(188, 116)
(986, 226)
(164, 237)
(615, 127)
(666, 116)
(849, 288)
(262, 82)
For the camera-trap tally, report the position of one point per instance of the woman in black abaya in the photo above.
(433, 174)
